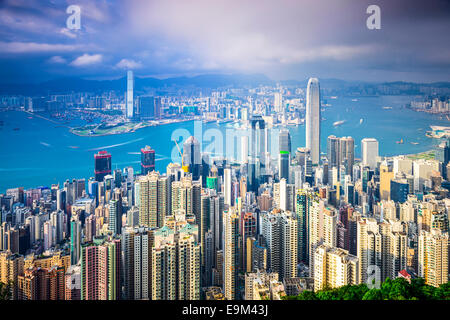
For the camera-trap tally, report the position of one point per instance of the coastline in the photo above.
(139, 125)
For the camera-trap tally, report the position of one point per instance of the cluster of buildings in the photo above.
(213, 228)
(165, 104)
(435, 105)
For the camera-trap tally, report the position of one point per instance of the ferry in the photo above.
(224, 121)
(338, 123)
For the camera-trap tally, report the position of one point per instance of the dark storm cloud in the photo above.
(283, 39)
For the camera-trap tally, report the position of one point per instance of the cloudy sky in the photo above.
(283, 39)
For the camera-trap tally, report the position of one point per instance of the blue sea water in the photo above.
(40, 153)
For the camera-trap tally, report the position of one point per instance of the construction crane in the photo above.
(185, 168)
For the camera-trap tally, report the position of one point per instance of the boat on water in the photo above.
(224, 121)
(414, 143)
(333, 97)
(338, 123)
(74, 147)
(16, 129)
(361, 121)
(387, 108)
(399, 142)
(354, 100)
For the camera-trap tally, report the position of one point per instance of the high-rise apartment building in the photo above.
(381, 248)
(433, 256)
(231, 253)
(75, 240)
(153, 199)
(100, 269)
(175, 264)
(334, 267)
(11, 266)
(280, 231)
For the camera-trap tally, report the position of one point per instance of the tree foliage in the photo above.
(397, 289)
(5, 291)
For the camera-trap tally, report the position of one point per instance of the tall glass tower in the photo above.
(313, 119)
(192, 156)
(130, 95)
(257, 152)
(284, 156)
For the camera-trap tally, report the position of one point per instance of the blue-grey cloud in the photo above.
(284, 39)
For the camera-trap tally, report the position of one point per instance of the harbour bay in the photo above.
(36, 152)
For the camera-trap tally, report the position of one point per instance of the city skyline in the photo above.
(154, 150)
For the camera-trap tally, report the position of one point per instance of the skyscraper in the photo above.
(146, 107)
(100, 269)
(244, 149)
(278, 101)
(153, 199)
(383, 245)
(280, 233)
(115, 216)
(285, 154)
(347, 154)
(136, 254)
(334, 267)
(227, 186)
(231, 255)
(369, 152)
(75, 240)
(192, 156)
(341, 152)
(257, 152)
(433, 256)
(147, 160)
(130, 94)
(313, 119)
(102, 165)
(176, 264)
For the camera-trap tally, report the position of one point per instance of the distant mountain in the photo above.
(212, 81)
(66, 85)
